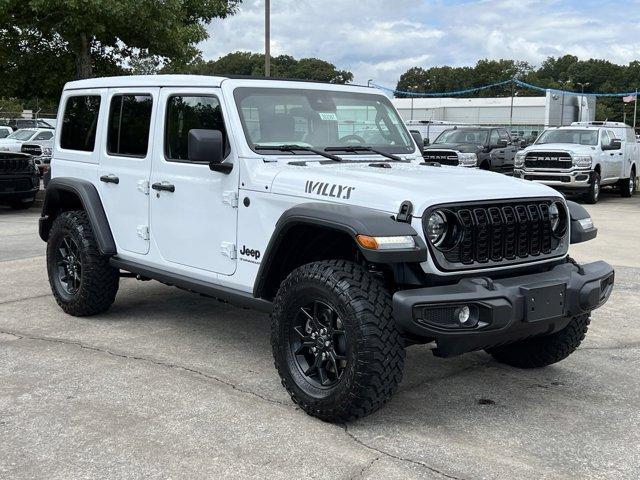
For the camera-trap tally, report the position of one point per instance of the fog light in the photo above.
(463, 316)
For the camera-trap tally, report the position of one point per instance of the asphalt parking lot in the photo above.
(172, 385)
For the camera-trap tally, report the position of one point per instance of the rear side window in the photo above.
(44, 136)
(188, 112)
(79, 123)
(129, 122)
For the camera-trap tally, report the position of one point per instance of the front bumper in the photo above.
(578, 179)
(506, 309)
(19, 187)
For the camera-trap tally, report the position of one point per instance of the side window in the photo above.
(79, 123)
(44, 136)
(188, 112)
(494, 137)
(4, 133)
(504, 135)
(605, 139)
(631, 136)
(128, 127)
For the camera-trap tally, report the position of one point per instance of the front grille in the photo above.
(499, 233)
(561, 160)
(549, 178)
(444, 157)
(35, 150)
(15, 165)
(17, 185)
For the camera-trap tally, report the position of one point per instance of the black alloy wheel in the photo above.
(68, 265)
(318, 344)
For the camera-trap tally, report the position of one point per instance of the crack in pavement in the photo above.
(365, 468)
(148, 360)
(395, 457)
(16, 300)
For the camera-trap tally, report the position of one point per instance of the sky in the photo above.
(381, 39)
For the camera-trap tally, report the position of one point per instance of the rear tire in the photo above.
(628, 185)
(354, 325)
(593, 195)
(543, 351)
(82, 281)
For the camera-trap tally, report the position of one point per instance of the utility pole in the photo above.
(267, 38)
(635, 111)
(511, 113)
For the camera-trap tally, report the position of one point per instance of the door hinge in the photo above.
(143, 186)
(230, 198)
(143, 232)
(228, 249)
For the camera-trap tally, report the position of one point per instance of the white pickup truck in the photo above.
(582, 158)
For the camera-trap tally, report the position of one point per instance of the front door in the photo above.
(125, 165)
(193, 209)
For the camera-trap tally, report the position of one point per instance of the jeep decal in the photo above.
(328, 189)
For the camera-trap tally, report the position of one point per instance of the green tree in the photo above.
(91, 31)
(252, 64)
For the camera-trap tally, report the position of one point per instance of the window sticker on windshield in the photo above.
(328, 116)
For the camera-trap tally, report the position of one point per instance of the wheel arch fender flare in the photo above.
(64, 193)
(346, 219)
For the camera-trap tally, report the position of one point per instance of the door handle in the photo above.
(165, 187)
(111, 178)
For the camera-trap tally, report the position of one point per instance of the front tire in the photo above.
(542, 351)
(593, 195)
(82, 281)
(335, 342)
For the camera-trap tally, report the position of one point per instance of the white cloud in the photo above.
(380, 39)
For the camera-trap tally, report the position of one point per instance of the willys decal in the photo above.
(328, 189)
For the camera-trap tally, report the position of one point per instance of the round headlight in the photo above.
(556, 218)
(436, 228)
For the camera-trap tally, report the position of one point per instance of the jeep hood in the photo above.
(385, 189)
(458, 147)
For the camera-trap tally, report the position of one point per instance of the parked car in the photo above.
(40, 150)
(19, 180)
(582, 158)
(13, 142)
(488, 148)
(246, 190)
(5, 131)
(20, 123)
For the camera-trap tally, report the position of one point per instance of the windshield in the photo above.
(459, 135)
(320, 119)
(578, 137)
(22, 134)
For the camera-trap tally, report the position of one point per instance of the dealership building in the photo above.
(527, 116)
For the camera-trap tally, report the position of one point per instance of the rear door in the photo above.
(125, 165)
(616, 157)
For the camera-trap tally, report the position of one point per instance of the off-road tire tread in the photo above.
(100, 280)
(542, 351)
(381, 352)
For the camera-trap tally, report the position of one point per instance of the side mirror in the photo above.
(417, 137)
(616, 144)
(426, 142)
(502, 144)
(207, 146)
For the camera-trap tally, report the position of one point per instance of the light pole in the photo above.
(513, 95)
(582, 85)
(564, 84)
(413, 90)
(267, 38)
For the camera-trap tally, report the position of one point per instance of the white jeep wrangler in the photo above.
(262, 193)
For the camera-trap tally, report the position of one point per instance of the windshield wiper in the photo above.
(294, 148)
(358, 148)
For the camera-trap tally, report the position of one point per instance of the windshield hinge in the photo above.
(143, 231)
(230, 198)
(404, 214)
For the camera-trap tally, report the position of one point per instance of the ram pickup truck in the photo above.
(255, 191)
(583, 158)
(19, 180)
(487, 148)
